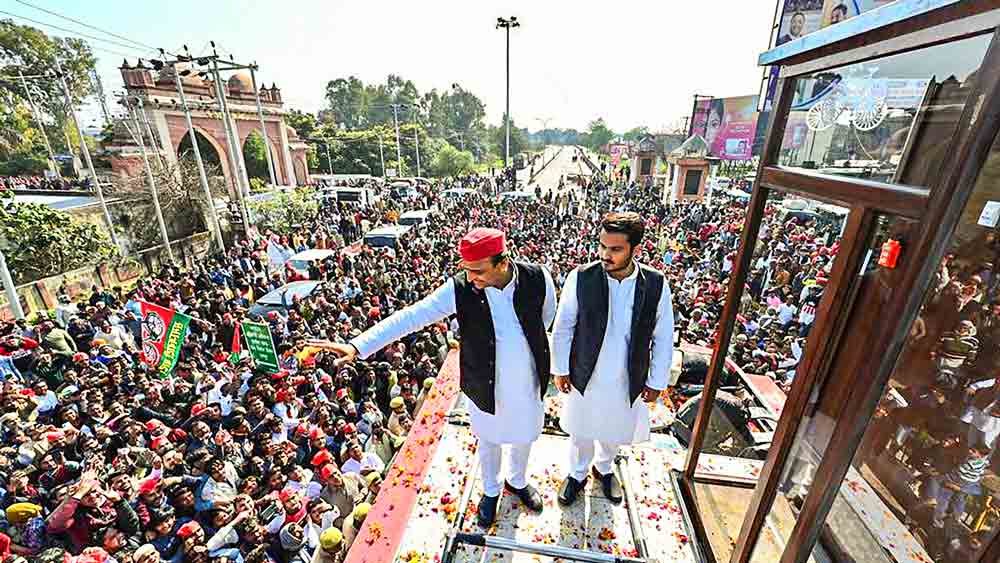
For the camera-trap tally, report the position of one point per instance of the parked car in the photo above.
(281, 299)
(517, 196)
(386, 237)
(414, 218)
(300, 262)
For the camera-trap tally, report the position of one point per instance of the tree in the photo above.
(29, 50)
(598, 134)
(518, 141)
(347, 102)
(450, 161)
(255, 156)
(286, 211)
(636, 133)
(304, 123)
(43, 242)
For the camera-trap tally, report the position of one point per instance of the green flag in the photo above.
(261, 346)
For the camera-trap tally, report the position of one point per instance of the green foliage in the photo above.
(450, 161)
(636, 133)
(29, 50)
(518, 140)
(255, 156)
(42, 242)
(304, 123)
(285, 211)
(258, 185)
(598, 134)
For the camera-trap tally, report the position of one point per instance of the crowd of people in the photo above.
(107, 461)
(43, 183)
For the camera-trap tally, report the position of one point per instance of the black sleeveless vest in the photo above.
(477, 354)
(592, 320)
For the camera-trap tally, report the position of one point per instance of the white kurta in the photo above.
(603, 412)
(519, 410)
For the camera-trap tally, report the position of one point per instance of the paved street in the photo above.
(561, 167)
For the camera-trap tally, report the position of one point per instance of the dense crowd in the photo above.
(220, 461)
(43, 183)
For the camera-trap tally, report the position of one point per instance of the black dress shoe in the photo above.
(569, 490)
(528, 495)
(610, 485)
(487, 512)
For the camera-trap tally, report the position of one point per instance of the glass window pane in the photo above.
(791, 264)
(889, 120)
(924, 485)
(823, 410)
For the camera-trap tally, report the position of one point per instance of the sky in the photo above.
(631, 62)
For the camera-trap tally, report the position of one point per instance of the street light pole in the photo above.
(381, 155)
(132, 112)
(399, 152)
(416, 138)
(507, 24)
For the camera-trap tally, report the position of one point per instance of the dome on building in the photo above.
(241, 82)
(189, 79)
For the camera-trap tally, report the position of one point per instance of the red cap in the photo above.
(147, 486)
(316, 433)
(481, 243)
(159, 442)
(153, 425)
(286, 494)
(284, 395)
(349, 428)
(302, 428)
(322, 457)
(309, 362)
(326, 379)
(188, 529)
(54, 435)
(341, 393)
(327, 470)
(281, 374)
(198, 408)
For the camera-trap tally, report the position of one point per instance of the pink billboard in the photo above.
(729, 126)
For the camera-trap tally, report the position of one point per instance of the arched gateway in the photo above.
(166, 118)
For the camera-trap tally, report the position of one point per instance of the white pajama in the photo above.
(490, 456)
(583, 454)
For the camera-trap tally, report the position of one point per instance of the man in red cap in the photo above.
(503, 307)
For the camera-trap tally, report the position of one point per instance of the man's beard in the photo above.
(611, 267)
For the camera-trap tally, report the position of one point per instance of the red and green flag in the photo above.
(163, 332)
(235, 348)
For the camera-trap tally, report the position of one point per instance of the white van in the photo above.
(414, 218)
(385, 237)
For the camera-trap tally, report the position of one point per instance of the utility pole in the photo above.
(137, 135)
(263, 128)
(100, 96)
(9, 289)
(202, 176)
(507, 24)
(53, 165)
(86, 153)
(234, 161)
(399, 152)
(416, 138)
(381, 155)
(153, 143)
(329, 163)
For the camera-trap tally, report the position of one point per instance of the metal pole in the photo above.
(231, 141)
(638, 537)
(86, 154)
(153, 143)
(381, 155)
(100, 96)
(9, 289)
(506, 158)
(416, 137)
(241, 166)
(263, 128)
(559, 551)
(399, 152)
(202, 176)
(149, 175)
(41, 126)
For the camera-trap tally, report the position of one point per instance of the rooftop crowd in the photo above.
(104, 460)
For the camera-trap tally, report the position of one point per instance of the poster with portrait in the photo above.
(799, 18)
(836, 11)
(699, 117)
(730, 126)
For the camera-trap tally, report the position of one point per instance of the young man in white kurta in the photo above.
(602, 419)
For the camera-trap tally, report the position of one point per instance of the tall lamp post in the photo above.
(507, 24)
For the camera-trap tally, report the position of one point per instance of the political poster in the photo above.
(163, 332)
(261, 346)
(730, 126)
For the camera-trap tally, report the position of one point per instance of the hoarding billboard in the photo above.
(727, 125)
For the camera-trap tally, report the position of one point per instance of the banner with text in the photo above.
(163, 332)
(261, 346)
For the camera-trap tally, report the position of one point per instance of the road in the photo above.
(561, 167)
